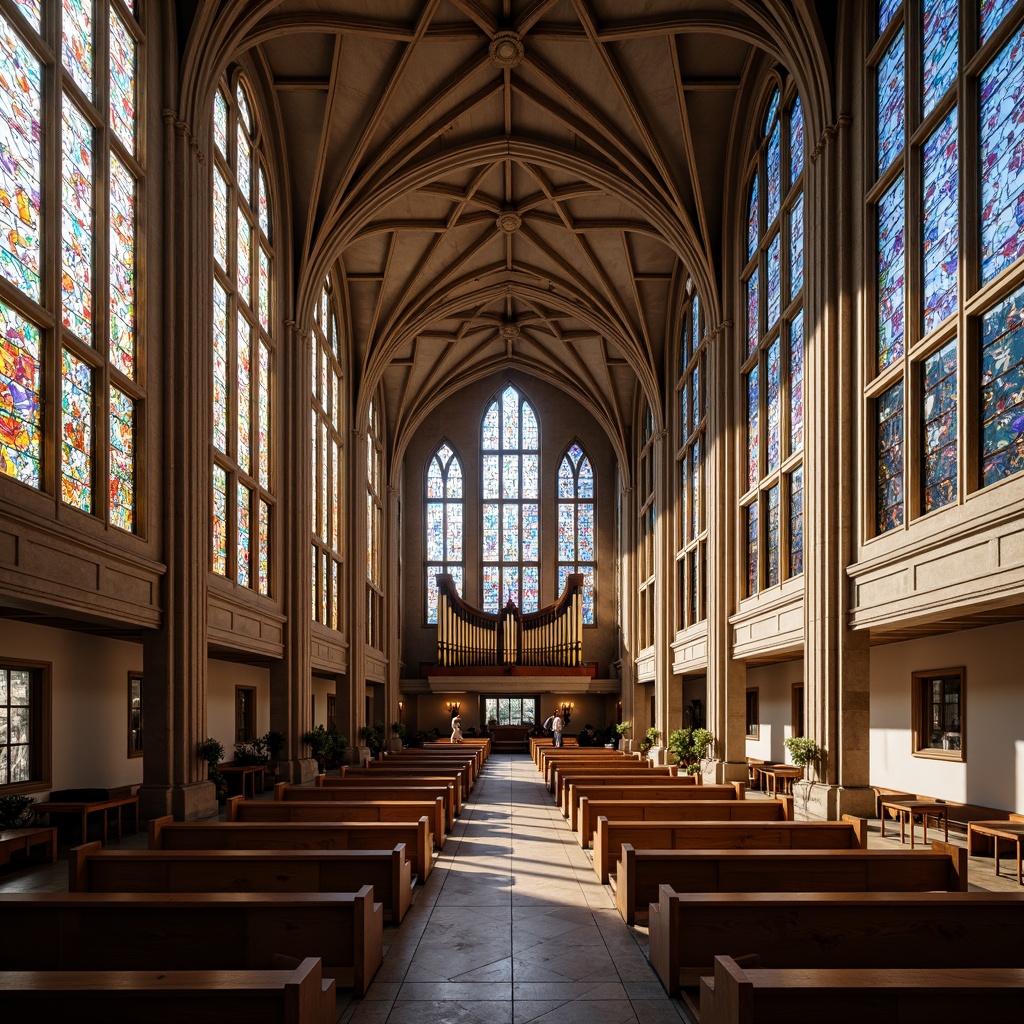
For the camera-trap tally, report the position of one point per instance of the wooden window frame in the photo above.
(135, 749)
(41, 725)
(753, 725)
(251, 691)
(919, 704)
(798, 712)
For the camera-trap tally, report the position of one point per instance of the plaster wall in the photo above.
(221, 680)
(774, 684)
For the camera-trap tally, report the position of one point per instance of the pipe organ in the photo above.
(552, 636)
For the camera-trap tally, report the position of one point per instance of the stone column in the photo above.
(174, 656)
(356, 697)
(835, 657)
(626, 584)
(392, 601)
(664, 564)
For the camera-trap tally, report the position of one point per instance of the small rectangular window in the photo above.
(245, 714)
(938, 714)
(798, 709)
(25, 726)
(753, 715)
(134, 714)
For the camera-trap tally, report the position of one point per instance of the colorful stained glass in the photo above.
(435, 531)
(263, 569)
(531, 589)
(753, 221)
(510, 533)
(586, 549)
(122, 268)
(773, 173)
(753, 432)
(263, 415)
(796, 383)
(1001, 137)
(991, 17)
(20, 436)
(315, 555)
(773, 402)
(684, 344)
(77, 222)
(886, 10)
(684, 411)
(891, 273)
(122, 460)
(336, 485)
(490, 532)
(20, 160)
(566, 532)
(796, 522)
(31, 9)
(771, 111)
(695, 477)
(243, 392)
(243, 257)
(510, 419)
(1002, 389)
(796, 141)
(752, 579)
(510, 476)
(939, 406)
(773, 540)
(325, 531)
(940, 56)
(76, 42)
(242, 527)
(531, 532)
(263, 201)
(889, 459)
(489, 434)
(698, 394)
(76, 432)
(123, 66)
(243, 156)
(220, 219)
(491, 588)
(696, 324)
(220, 368)
(585, 475)
(941, 228)
(774, 278)
(530, 429)
(220, 123)
(796, 247)
(453, 539)
(891, 97)
(753, 324)
(264, 286)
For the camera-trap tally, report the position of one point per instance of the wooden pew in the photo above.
(371, 789)
(483, 743)
(383, 769)
(466, 751)
(237, 809)
(298, 996)
(641, 872)
(661, 788)
(564, 776)
(848, 834)
(539, 744)
(555, 766)
(681, 791)
(826, 929)
(848, 996)
(167, 834)
(94, 869)
(86, 931)
(466, 763)
(588, 755)
(590, 808)
(399, 777)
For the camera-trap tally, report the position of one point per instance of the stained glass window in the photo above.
(939, 403)
(444, 524)
(992, 14)
(510, 444)
(243, 349)
(122, 460)
(577, 541)
(891, 271)
(1002, 389)
(21, 700)
(76, 42)
(941, 227)
(76, 444)
(772, 354)
(889, 458)
(891, 98)
(20, 427)
(796, 522)
(940, 57)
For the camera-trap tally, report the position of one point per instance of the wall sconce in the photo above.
(452, 706)
(566, 708)
(401, 708)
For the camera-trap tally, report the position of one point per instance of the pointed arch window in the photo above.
(443, 527)
(510, 454)
(243, 345)
(75, 347)
(771, 506)
(327, 432)
(577, 540)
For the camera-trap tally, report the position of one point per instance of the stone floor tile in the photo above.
(444, 1012)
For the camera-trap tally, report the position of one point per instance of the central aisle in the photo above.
(513, 926)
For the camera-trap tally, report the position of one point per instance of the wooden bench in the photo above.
(662, 788)
(86, 931)
(467, 765)
(298, 996)
(982, 834)
(86, 807)
(650, 775)
(371, 789)
(399, 777)
(579, 755)
(91, 868)
(467, 749)
(555, 768)
(826, 929)
(848, 834)
(481, 742)
(577, 786)
(25, 840)
(590, 808)
(849, 996)
(167, 834)
(389, 770)
(943, 868)
(237, 809)
(446, 758)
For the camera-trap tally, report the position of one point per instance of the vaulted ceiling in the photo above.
(505, 182)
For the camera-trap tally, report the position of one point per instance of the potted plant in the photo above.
(326, 747)
(621, 729)
(803, 751)
(650, 738)
(211, 751)
(15, 811)
(397, 736)
(274, 742)
(254, 753)
(689, 746)
(373, 735)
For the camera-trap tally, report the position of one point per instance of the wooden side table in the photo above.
(1010, 831)
(906, 810)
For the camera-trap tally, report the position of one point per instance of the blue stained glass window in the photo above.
(752, 549)
(1002, 170)
(753, 221)
(889, 459)
(698, 409)
(695, 476)
(886, 10)
(774, 539)
(991, 16)
(796, 383)
(891, 273)
(796, 247)
(695, 332)
(753, 433)
(773, 401)
(443, 541)
(684, 412)
(796, 141)
(796, 522)
(773, 173)
(941, 227)
(684, 345)
(1002, 389)
(753, 324)
(890, 103)
(774, 281)
(771, 110)
(939, 469)
(940, 57)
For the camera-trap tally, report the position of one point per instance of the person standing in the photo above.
(556, 727)
(456, 729)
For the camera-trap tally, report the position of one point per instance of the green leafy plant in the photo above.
(803, 750)
(623, 727)
(688, 746)
(252, 753)
(327, 747)
(274, 742)
(15, 811)
(211, 751)
(373, 735)
(398, 728)
(652, 736)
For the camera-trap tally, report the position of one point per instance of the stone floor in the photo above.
(513, 925)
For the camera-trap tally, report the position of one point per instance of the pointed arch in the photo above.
(443, 490)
